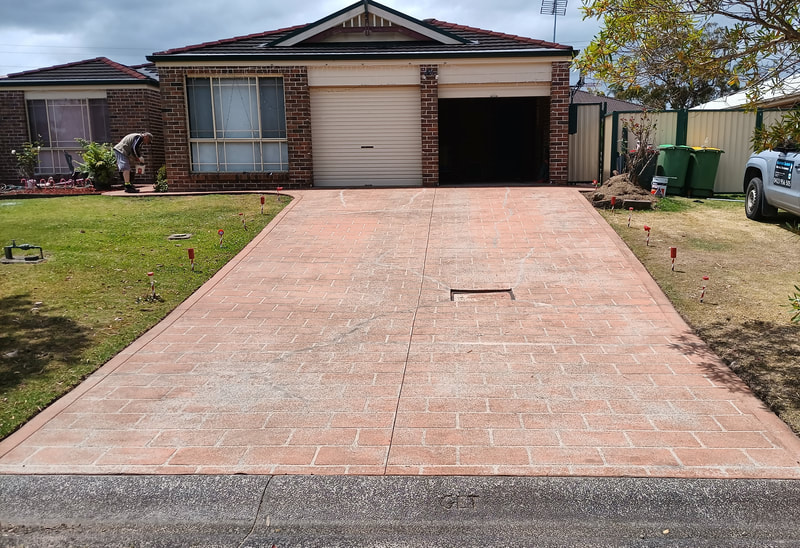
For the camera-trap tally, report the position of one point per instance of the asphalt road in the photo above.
(398, 511)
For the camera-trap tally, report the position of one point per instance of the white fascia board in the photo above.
(316, 29)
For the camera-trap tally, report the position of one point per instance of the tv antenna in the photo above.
(554, 8)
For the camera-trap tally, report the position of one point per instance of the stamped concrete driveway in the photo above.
(449, 331)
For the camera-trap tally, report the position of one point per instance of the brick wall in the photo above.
(129, 110)
(559, 123)
(13, 132)
(136, 111)
(429, 98)
(176, 138)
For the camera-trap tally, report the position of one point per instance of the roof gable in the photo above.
(367, 21)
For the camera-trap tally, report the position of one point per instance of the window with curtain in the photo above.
(237, 124)
(57, 123)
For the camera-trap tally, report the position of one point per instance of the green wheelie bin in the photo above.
(673, 162)
(702, 171)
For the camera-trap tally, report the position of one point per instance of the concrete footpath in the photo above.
(492, 345)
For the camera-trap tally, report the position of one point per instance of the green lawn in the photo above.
(63, 318)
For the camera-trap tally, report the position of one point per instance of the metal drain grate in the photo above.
(473, 295)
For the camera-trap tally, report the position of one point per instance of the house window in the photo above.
(57, 123)
(237, 124)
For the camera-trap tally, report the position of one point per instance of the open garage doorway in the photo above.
(493, 140)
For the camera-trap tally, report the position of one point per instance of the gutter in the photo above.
(361, 56)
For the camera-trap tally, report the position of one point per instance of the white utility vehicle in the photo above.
(772, 181)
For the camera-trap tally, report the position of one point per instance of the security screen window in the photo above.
(57, 123)
(237, 124)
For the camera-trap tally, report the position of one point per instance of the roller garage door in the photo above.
(366, 136)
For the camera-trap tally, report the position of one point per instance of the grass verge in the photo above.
(752, 269)
(63, 318)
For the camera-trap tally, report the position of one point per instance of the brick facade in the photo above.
(13, 132)
(138, 110)
(176, 140)
(147, 109)
(429, 103)
(559, 123)
(129, 110)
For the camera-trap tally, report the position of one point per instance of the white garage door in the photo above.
(366, 136)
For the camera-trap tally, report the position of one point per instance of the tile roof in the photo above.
(100, 70)
(476, 42)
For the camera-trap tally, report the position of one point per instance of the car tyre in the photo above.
(754, 206)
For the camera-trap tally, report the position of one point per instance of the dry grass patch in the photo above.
(752, 269)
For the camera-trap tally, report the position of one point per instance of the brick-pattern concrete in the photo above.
(349, 338)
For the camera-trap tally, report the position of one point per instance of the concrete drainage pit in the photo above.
(481, 295)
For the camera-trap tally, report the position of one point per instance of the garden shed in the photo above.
(96, 100)
(365, 97)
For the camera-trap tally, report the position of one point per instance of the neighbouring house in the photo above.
(782, 95)
(96, 100)
(610, 104)
(367, 96)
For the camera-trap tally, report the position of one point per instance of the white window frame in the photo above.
(212, 154)
(52, 160)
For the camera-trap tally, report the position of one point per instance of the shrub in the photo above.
(794, 302)
(28, 158)
(161, 180)
(99, 162)
(783, 133)
(642, 158)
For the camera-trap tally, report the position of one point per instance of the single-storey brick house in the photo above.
(367, 96)
(97, 100)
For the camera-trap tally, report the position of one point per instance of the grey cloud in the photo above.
(127, 32)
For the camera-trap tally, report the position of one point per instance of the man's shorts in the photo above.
(123, 164)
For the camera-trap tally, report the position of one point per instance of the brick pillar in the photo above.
(429, 103)
(138, 110)
(559, 123)
(13, 132)
(298, 126)
(173, 114)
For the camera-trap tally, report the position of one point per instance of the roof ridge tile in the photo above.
(123, 68)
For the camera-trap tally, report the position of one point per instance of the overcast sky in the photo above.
(53, 32)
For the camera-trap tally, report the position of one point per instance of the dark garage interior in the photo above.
(493, 140)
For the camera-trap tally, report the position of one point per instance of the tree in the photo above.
(765, 33)
(668, 77)
(642, 41)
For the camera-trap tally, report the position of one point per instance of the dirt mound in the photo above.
(621, 187)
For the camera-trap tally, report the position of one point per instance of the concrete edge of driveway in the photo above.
(111, 365)
(396, 511)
